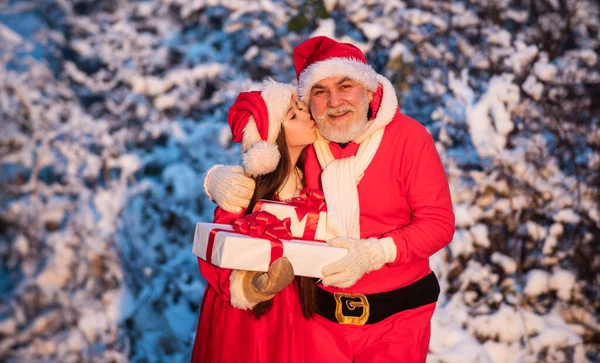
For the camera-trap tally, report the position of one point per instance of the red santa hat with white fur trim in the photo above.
(321, 57)
(255, 120)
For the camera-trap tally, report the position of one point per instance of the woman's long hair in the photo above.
(267, 187)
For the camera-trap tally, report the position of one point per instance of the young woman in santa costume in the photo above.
(249, 316)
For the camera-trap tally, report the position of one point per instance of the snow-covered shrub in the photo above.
(111, 112)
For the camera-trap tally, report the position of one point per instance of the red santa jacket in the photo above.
(403, 194)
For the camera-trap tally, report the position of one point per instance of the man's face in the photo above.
(340, 106)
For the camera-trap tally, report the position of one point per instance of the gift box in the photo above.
(307, 214)
(222, 246)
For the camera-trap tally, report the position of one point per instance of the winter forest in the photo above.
(111, 112)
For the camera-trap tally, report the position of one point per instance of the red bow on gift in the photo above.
(311, 202)
(265, 225)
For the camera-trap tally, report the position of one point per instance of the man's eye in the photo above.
(346, 86)
(293, 116)
(318, 92)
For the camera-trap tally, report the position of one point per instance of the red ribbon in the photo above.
(311, 202)
(265, 225)
(211, 242)
(257, 225)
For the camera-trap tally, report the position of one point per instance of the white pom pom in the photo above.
(261, 159)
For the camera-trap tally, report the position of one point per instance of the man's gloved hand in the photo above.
(262, 286)
(364, 255)
(229, 187)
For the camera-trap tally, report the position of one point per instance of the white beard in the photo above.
(334, 133)
(348, 134)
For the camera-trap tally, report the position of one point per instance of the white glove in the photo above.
(364, 255)
(229, 187)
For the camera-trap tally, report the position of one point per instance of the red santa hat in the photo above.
(321, 57)
(255, 120)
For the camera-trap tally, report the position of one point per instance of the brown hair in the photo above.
(267, 187)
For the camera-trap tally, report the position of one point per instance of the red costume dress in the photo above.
(403, 194)
(228, 334)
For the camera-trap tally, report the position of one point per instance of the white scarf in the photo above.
(340, 180)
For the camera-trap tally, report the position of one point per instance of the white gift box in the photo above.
(281, 210)
(241, 252)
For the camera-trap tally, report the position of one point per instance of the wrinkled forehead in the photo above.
(336, 81)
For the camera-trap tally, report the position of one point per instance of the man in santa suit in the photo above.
(388, 201)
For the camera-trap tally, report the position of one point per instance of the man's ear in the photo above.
(370, 95)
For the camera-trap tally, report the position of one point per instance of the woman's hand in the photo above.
(229, 187)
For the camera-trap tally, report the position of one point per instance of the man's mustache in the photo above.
(338, 110)
(332, 112)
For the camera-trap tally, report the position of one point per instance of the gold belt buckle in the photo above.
(351, 302)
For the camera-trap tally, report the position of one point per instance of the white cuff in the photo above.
(236, 290)
(389, 249)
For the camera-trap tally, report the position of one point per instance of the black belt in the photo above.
(359, 309)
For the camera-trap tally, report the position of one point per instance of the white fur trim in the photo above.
(386, 112)
(236, 291)
(334, 67)
(389, 249)
(251, 135)
(277, 97)
(262, 158)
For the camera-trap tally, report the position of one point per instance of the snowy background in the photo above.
(111, 111)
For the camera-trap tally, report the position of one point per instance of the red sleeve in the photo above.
(215, 276)
(224, 217)
(428, 194)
